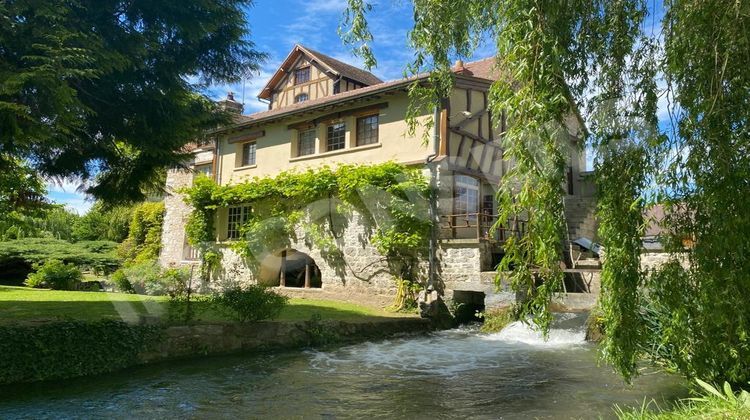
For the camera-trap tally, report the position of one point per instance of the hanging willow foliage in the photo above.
(605, 57)
(551, 52)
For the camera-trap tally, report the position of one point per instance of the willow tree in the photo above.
(606, 58)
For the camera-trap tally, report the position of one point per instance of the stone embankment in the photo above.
(181, 342)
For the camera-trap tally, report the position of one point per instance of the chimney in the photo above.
(459, 65)
(230, 105)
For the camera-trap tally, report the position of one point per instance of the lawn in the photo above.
(23, 304)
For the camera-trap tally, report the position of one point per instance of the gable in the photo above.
(327, 76)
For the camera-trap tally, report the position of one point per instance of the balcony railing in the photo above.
(189, 253)
(479, 226)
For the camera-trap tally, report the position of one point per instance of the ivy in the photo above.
(69, 349)
(389, 199)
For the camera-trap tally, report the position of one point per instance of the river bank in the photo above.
(68, 349)
(458, 373)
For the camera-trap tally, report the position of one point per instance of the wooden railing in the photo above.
(479, 226)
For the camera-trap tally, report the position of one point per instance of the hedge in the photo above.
(72, 348)
(18, 256)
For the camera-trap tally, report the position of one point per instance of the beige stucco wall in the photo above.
(276, 150)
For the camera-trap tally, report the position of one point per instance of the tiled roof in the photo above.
(346, 70)
(486, 69)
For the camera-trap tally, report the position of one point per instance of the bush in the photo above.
(68, 349)
(253, 303)
(55, 274)
(121, 282)
(148, 278)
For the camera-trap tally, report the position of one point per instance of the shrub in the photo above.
(69, 349)
(55, 274)
(148, 278)
(253, 303)
(121, 282)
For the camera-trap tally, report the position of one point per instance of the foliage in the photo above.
(712, 403)
(149, 278)
(18, 256)
(54, 274)
(144, 233)
(121, 282)
(56, 222)
(406, 296)
(68, 349)
(110, 91)
(103, 223)
(389, 197)
(319, 333)
(497, 319)
(253, 303)
(183, 301)
(606, 57)
(22, 197)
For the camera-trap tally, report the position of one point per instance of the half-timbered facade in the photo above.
(325, 112)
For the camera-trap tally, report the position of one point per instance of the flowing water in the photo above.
(452, 374)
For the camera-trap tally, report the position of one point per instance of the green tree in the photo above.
(605, 57)
(22, 198)
(109, 91)
(103, 223)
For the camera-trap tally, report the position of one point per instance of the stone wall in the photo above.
(362, 271)
(175, 218)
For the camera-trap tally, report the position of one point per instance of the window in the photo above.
(302, 75)
(237, 216)
(205, 169)
(466, 196)
(336, 139)
(306, 142)
(248, 154)
(367, 130)
(302, 97)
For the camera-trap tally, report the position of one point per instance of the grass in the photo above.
(23, 304)
(712, 403)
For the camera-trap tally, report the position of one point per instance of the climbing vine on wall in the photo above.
(144, 233)
(389, 199)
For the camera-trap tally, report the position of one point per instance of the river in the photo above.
(451, 374)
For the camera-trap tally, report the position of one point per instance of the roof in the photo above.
(483, 69)
(325, 101)
(334, 66)
(346, 70)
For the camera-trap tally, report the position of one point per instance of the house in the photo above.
(322, 111)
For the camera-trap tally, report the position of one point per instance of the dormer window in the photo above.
(302, 75)
(302, 97)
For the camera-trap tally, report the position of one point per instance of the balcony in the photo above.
(479, 226)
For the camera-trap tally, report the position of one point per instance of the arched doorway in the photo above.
(290, 268)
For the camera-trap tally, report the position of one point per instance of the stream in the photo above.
(458, 373)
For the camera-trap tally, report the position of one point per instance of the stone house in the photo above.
(325, 112)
